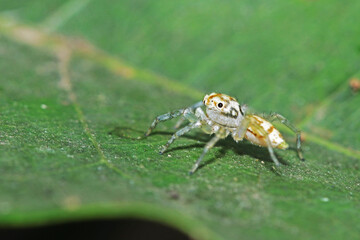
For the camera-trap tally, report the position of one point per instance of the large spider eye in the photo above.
(220, 105)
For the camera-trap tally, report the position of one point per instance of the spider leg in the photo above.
(183, 118)
(287, 123)
(162, 118)
(267, 139)
(179, 122)
(207, 147)
(171, 115)
(239, 133)
(180, 133)
(196, 105)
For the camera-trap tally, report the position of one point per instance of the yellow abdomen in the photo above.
(257, 130)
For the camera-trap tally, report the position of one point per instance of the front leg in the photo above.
(180, 133)
(190, 109)
(171, 115)
(164, 117)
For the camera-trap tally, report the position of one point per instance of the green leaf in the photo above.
(71, 113)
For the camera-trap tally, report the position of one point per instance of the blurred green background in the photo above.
(81, 79)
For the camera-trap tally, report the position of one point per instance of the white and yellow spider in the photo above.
(224, 116)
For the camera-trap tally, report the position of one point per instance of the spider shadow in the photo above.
(227, 144)
(247, 149)
(127, 133)
(240, 148)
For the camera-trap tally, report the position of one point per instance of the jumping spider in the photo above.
(224, 116)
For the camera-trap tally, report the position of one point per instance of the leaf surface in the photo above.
(71, 112)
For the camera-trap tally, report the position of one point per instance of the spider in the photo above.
(225, 116)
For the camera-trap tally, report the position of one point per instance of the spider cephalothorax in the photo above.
(225, 116)
(223, 109)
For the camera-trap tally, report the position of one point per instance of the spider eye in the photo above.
(220, 105)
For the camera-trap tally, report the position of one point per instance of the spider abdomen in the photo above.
(255, 135)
